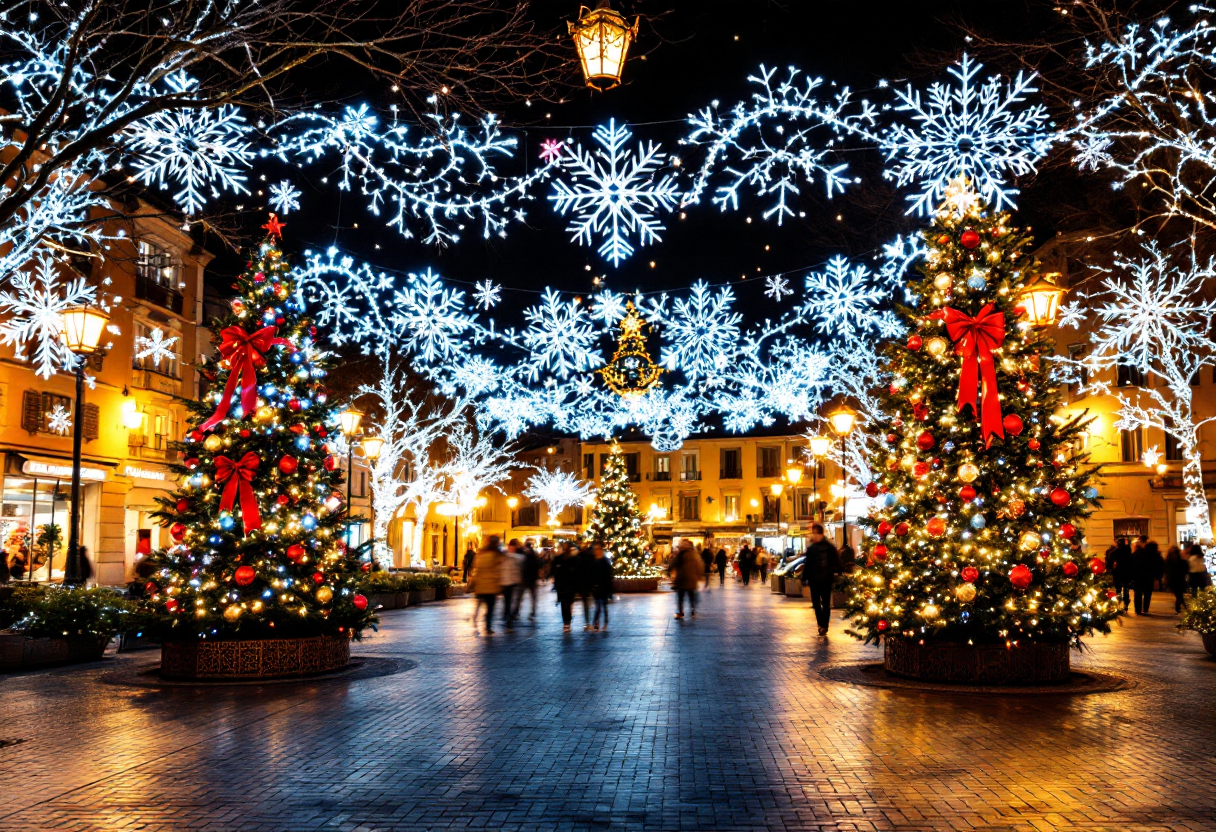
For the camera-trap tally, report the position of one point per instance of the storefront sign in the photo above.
(145, 473)
(61, 472)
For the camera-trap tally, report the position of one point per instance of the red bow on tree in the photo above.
(244, 355)
(238, 476)
(975, 339)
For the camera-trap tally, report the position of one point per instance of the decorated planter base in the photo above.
(635, 584)
(986, 664)
(270, 658)
(1209, 643)
(18, 652)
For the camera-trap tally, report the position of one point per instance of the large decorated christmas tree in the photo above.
(982, 485)
(259, 519)
(616, 520)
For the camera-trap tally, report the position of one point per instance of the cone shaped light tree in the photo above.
(259, 519)
(981, 486)
(616, 520)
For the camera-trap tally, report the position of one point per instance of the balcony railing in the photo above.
(690, 476)
(730, 474)
(157, 293)
(766, 472)
(662, 476)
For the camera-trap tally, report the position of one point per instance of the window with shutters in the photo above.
(690, 506)
(31, 411)
(50, 401)
(91, 422)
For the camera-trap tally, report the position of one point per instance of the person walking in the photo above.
(529, 577)
(819, 571)
(586, 574)
(762, 564)
(746, 561)
(1176, 567)
(468, 563)
(1197, 576)
(1147, 568)
(601, 584)
(485, 579)
(685, 569)
(707, 558)
(1119, 565)
(512, 575)
(563, 568)
(720, 562)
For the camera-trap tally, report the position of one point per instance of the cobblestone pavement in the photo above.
(721, 722)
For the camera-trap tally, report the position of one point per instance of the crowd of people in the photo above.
(1137, 567)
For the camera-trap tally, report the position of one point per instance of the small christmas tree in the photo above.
(982, 488)
(616, 520)
(259, 519)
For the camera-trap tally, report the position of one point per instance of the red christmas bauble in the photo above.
(288, 465)
(194, 436)
(1097, 566)
(295, 405)
(1013, 424)
(970, 574)
(183, 505)
(882, 625)
(296, 552)
(884, 528)
(936, 527)
(901, 529)
(943, 240)
(925, 441)
(1020, 576)
(920, 469)
(1068, 531)
(915, 342)
(365, 566)
(1071, 569)
(330, 463)
(171, 605)
(1019, 311)
(1060, 497)
(191, 463)
(941, 498)
(298, 429)
(1034, 444)
(282, 499)
(966, 493)
(150, 588)
(969, 238)
(318, 577)
(891, 437)
(360, 601)
(872, 490)
(178, 530)
(244, 575)
(245, 433)
(880, 552)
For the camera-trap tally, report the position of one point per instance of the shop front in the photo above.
(141, 532)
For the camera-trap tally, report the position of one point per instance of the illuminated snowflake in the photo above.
(608, 307)
(614, 194)
(983, 132)
(1092, 152)
(842, 299)
(156, 346)
(701, 331)
(59, 420)
(431, 317)
(487, 294)
(1151, 457)
(34, 306)
(1071, 314)
(559, 337)
(201, 151)
(552, 149)
(284, 198)
(777, 287)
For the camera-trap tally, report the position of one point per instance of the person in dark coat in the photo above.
(720, 562)
(530, 575)
(1175, 576)
(747, 562)
(685, 570)
(601, 584)
(585, 579)
(819, 572)
(707, 557)
(1147, 568)
(1119, 565)
(468, 562)
(564, 569)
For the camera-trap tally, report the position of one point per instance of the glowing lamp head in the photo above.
(81, 328)
(512, 503)
(372, 445)
(447, 509)
(794, 474)
(481, 501)
(1041, 300)
(602, 38)
(776, 488)
(132, 418)
(350, 419)
(842, 420)
(819, 446)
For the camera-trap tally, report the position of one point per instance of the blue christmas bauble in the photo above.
(1090, 493)
(978, 521)
(309, 522)
(297, 358)
(948, 447)
(976, 282)
(888, 500)
(302, 443)
(226, 522)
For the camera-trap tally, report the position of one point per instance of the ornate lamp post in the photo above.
(81, 329)
(372, 445)
(602, 38)
(1041, 300)
(349, 419)
(819, 450)
(842, 420)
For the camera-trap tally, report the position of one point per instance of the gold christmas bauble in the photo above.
(967, 472)
(325, 594)
(213, 443)
(965, 592)
(264, 413)
(233, 612)
(1029, 541)
(942, 281)
(936, 347)
(930, 611)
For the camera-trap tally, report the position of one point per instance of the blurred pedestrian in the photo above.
(511, 571)
(485, 579)
(601, 583)
(585, 578)
(1197, 576)
(1147, 568)
(529, 577)
(468, 562)
(685, 569)
(1176, 567)
(720, 562)
(564, 570)
(762, 564)
(707, 558)
(819, 571)
(1119, 565)
(746, 560)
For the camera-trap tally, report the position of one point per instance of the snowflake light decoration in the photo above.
(59, 420)
(487, 294)
(777, 287)
(558, 490)
(843, 298)
(551, 150)
(614, 194)
(34, 307)
(979, 131)
(560, 337)
(284, 197)
(155, 346)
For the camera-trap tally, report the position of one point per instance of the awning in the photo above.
(144, 498)
(49, 467)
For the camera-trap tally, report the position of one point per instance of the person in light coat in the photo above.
(686, 570)
(485, 580)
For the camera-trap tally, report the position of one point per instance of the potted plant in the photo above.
(1200, 616)
(42, 625)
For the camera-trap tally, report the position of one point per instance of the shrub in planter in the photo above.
(1200, 616)
(58, 612)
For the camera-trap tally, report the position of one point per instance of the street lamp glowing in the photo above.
(349, 419)
(1041, 300)
(447, 509)
(602, 37)
(842, 420)
(132, 418)
(776, 488)
(81, 328)
(481, 501)
(794, 474)
(512, 502)
(819, 446)
(372, 445)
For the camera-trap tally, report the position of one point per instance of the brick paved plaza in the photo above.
(718, 723)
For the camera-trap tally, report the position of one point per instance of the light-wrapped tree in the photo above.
(616, 520)
(980, 490)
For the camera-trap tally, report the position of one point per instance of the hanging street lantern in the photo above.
(602, 37)
(842, 419)
(1041, 300)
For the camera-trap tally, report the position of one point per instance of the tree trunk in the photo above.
(1196, 497)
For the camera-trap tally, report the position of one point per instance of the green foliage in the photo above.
(41, 612)
(1200, 612)
(616, 521)
(50, 535)
(392, 582)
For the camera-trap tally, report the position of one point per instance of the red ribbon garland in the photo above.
(243, 353)
(975, 339)
(238, 476)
